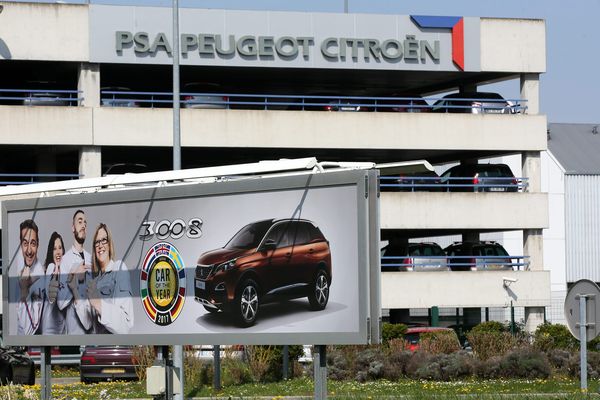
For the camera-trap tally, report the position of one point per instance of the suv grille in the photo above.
(203, 271)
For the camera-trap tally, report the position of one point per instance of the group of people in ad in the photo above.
(72, 292)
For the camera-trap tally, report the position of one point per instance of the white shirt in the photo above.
(78, 314)
(29, 312)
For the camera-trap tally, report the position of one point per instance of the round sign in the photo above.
(162, 283)
(589, 289)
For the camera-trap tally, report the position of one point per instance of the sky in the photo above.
(568, 89)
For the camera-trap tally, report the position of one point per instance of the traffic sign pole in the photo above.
(583, 341)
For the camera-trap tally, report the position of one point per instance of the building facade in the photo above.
(265, 66)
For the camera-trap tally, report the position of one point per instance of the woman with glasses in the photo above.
(109, 291)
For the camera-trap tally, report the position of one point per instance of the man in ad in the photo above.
(31, 281)
(78, 263)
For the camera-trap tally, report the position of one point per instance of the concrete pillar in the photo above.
(530, 91)
(89, 84)
(90, 161)
(533, 246)
(531, 163)
(534, 317)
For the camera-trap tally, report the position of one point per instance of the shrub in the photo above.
(266, 362)
(486, 344)
(395, 364)
(525, 363)
(554, 336)
(392, 331)
(490, 326)
(142, 357)
(442, 367)
(439, 342)
(235, 371)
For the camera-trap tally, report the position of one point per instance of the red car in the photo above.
(412, 336)
(109, 363)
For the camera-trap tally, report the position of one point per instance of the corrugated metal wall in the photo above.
(582, 227)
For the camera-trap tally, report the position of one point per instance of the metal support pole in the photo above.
(178, 369)
(217, 367)
(46, 366)
(168, 373)
(176, 97)
(286, 361)
(434, 316)
(512, 318)
(583, 342)
(320, 372)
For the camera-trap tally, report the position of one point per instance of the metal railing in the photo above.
(35, 97)
(26, 179)
(292, 102)
(393, 263)
(438, 184)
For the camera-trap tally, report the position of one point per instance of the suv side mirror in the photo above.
(269, 244)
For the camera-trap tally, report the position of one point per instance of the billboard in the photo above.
(274, 260)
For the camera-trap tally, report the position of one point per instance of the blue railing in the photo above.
(34, 97)
(438, 184)
(25, 179)
(393, 263)
(293, 102)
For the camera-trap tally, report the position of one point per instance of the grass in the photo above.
(555, 389)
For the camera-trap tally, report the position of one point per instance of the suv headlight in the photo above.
(226, 266)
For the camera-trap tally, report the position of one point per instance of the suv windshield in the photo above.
(249, 236)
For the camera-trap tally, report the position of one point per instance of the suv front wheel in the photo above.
(247, 302)
(319, 294)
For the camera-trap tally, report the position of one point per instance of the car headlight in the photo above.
(226, 266)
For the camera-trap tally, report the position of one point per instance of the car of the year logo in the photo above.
(266, 261)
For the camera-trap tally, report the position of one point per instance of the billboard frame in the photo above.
(367, 223)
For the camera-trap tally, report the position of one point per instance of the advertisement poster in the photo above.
(214, 267)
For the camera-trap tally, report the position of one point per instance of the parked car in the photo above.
(46, 98)
(478, 256)
(425, 256)
(107, 363)
(427, 181)
(120, 97)
(265, 261)
(16, 367)
(404, 103)
(474, 103)
(200, 95)
(412, 336)
(479, 178)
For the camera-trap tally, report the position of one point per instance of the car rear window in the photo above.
(425, 250)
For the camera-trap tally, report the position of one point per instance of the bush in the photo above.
(554, 336)
(143, 358)
(392, 331)
(486, 344)
(525, 363)
(266, 362)
(491, 327)
(439, 342)
(441, 367)
(235, 371)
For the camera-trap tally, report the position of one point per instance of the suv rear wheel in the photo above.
(247, 302)
(319, 294)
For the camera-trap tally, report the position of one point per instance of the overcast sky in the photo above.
(569, 88)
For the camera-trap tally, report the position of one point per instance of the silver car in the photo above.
(200, 95)
(474, 103)
(425, 256)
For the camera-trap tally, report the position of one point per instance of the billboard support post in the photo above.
(286, 361)
(168, 373)
(320, 372)
(217, 367)
(46, 365)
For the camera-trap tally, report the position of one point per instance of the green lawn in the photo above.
(566, 389)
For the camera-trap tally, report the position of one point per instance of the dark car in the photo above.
(265, 261)
(478, 256)
(425, 256)
(107, 363)
(428, 181)
(474, 103)
(479, 178)
(404, 103)
(16, 367)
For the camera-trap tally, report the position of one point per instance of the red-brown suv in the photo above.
(269, 260)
